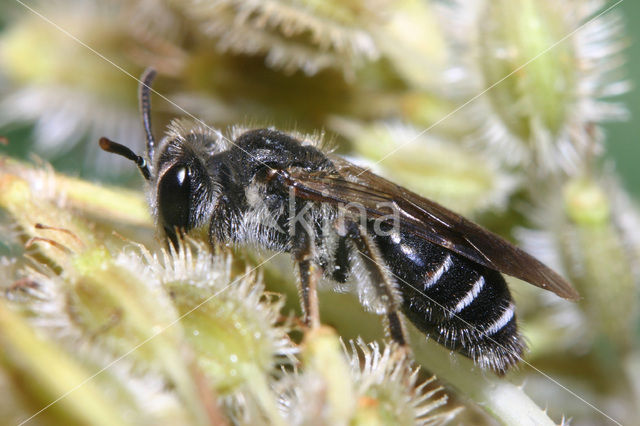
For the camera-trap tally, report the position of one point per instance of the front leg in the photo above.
(301, 237)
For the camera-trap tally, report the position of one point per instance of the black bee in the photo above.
(406, 254)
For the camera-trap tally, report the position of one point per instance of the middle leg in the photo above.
(308, 272)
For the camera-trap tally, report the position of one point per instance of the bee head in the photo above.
(184, 191)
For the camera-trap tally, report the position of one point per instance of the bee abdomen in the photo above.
(465, 307)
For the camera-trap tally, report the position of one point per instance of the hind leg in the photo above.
(383, 281)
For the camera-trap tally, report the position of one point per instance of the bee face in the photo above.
(185, 188)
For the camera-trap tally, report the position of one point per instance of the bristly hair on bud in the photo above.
(234, 327)
(394, 386)
(292, 35)
(360, 384)
(546, 114)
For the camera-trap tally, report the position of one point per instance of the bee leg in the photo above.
(308, 273)
(396, 328)
(308, 280)
(385, 284)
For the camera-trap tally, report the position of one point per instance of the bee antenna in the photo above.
(144, 99)
(116, 148)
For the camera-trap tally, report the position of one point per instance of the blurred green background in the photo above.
(622, 138)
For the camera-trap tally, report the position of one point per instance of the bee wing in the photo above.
(427, 220)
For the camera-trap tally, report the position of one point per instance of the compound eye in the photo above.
(175, 197)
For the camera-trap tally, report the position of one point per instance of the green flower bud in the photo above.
(464, 180)
(589, 234)
(541, 69)
(302, 35)
(38, 373)
(361, 386)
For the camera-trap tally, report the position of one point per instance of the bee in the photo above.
(406, 256)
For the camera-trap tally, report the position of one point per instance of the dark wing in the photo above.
(427, 220)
